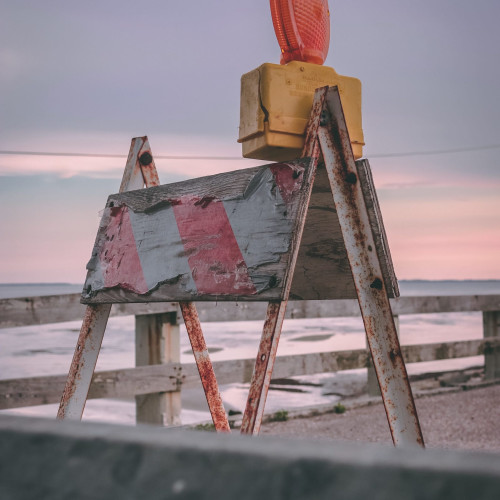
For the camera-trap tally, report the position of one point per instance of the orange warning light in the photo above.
(302, 28)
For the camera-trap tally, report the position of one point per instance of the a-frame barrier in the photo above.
(140, 171)
(306, 229)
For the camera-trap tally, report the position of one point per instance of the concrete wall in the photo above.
(44, 459)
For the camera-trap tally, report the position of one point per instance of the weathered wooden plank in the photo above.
(58, 308)
(47, 309)
(16, 393)
(446, 350)
(323, 270)
(163, 237)
(377, 225)
(138, 380)
(445, 303)
(350, 308)
(157, 341)
(491, 328)
(223, 237)
(26, 311)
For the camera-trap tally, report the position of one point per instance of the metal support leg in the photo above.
(373, 388)
(264, 364)
(204, 365)
(263, 370)
(367, 274)
(84, 360)
(139, 170)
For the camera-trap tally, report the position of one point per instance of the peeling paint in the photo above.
(205, 368)
(235, 245)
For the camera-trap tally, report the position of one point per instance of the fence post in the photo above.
(157, 341)
(491, 328)
(373, 388)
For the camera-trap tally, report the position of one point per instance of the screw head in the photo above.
(145, 158)
(351, 178)
(377, 284)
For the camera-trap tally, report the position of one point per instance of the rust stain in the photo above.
(148, 168)
(311, 145)
(85, 345)
(77, 363)
(264, 364)
(365, 267)
(205, 367)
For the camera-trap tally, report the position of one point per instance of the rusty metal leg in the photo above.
(262, 373)
(84, 360)
(261, 378)
(139, 170)
(204, 365)
(368, 279)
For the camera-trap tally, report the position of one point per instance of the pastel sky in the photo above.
(88, 76)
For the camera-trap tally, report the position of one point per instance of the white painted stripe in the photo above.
(95, 274)
(160, 249)
(261, 209)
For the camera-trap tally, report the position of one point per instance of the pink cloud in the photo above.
(445, 237)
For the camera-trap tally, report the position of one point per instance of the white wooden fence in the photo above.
(159, 377)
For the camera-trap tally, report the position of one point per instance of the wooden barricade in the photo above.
(306, 229)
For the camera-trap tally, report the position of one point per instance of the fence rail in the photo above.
(165, 379)
(27, 311)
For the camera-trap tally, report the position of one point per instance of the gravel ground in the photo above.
(460, 420)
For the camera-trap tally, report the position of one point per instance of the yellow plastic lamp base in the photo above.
(276, 102)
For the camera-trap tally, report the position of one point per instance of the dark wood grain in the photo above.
(322, 270)
(377, 225)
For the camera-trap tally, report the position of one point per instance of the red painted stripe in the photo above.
(120, 262)
(214, 256)
(289, 180)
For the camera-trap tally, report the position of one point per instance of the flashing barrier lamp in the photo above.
(276, 99)
(302, 28)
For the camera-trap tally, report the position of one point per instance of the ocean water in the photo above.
(48, 349)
